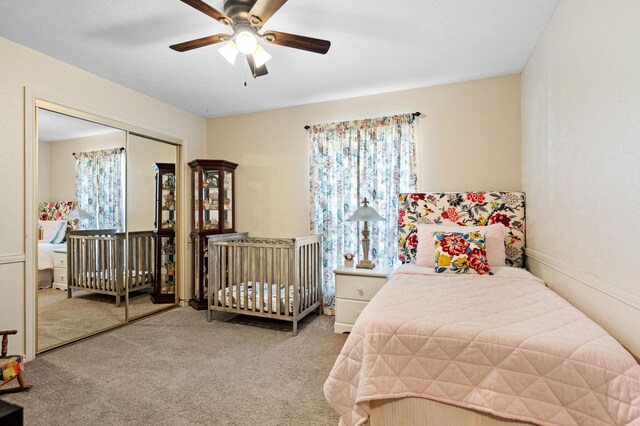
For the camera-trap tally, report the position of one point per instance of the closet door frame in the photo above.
(34, 100)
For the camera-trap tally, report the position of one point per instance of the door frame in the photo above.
(33, 100)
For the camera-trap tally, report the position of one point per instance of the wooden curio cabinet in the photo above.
(165, 220)
(212, 212)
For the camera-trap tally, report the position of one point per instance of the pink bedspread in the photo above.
(503, 344)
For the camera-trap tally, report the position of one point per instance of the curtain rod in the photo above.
(415, 114)
(121, 150)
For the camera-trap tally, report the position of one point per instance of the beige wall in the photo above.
(43, 172)
(478, 122)
(62, 164)
(580, 160)
(143, 154)
(84, 91)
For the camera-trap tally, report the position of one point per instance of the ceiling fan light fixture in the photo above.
(260, 56)
(246, 41)
(230, 52)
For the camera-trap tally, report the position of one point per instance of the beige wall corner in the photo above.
(580, 156)
(476, 122)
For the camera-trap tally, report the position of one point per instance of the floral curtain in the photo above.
(99, 187)
(373, 158)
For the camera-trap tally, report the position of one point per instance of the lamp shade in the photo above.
(78, 214)
(230, 52)
(365, 213)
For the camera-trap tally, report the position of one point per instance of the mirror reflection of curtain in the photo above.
(99, 189)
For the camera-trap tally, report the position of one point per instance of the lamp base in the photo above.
(365, 264)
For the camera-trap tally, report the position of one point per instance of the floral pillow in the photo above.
(461, 252)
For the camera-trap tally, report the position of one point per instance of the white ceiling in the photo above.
(377, 46)
(54, 127)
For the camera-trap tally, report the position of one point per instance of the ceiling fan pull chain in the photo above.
(245, 73)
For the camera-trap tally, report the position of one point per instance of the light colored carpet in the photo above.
(175, 368)
(62, 320)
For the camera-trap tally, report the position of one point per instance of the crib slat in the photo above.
(226, 292)
(286, 282)
(84, 261)
(309, 284)
(129, 264)
(254, 266)
(140, 266)
(245, 276)
(277, 279)
(134, 265)
(94, 260)
(98, 259)
(309, 279)
(303, 277)
(110, 264)
(236, 276)
(310, 275)
(134, 274)
(295, 282)
(256, 279)
(87, 263)
(269, 279)
(315, 272)
(102, 262)
(104, 255)
(93, 268)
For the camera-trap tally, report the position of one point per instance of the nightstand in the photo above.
(354, 289)
(60, 269)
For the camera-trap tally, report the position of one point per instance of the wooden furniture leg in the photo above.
(22, 384)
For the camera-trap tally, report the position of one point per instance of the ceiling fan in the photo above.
(247, 17)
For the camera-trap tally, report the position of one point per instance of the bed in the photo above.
(49, 212)
(266, 277)
(462, 349)
(102, 261)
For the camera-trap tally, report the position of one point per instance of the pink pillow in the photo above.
(50, 228)
(426, 253)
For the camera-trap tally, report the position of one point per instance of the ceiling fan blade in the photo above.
(259, 71)
(209, 11)
(262, 10)
(297, 42)
(200, 42)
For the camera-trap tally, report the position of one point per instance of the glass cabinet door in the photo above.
(210, 200)
(167, 265)
(228, 200)
(196, 199)
(168, 201)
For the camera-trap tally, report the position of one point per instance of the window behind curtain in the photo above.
(99, 187)
(373, 158)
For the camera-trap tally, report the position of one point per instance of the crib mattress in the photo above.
(264, 298)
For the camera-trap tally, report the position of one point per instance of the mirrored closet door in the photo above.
(107, 212)
(81, 212)
(152, 214)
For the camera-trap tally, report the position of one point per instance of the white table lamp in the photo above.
(365, 214)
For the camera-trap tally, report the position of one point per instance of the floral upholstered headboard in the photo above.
(58, 210)
(462, 209)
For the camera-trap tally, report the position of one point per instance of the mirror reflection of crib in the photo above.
(99, 261)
